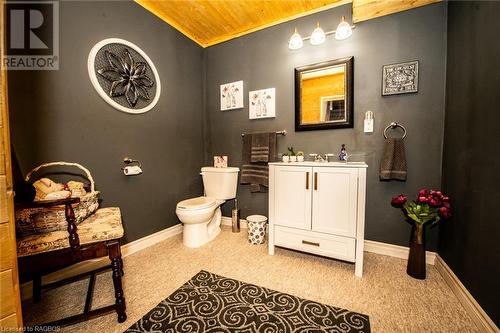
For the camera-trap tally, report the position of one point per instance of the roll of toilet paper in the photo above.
(132, 170)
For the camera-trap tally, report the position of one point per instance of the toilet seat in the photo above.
(197, 203)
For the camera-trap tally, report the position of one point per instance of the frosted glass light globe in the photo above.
(318, 36)
(344, 30)
(295, 41)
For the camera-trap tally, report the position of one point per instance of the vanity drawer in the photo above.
(322, 244)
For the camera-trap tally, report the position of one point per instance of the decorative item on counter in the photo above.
(430, 207)
(285, 157)
(343, 154)
(220, 161)
(300, 156)
(292, 155)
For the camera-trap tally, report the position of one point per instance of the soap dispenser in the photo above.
(343, 153)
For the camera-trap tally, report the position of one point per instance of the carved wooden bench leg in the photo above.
(115, 257)
(121, 266)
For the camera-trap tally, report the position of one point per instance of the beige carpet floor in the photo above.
(394, 301)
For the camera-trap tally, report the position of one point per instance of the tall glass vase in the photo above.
(416, 258)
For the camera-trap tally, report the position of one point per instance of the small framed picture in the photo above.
(400, 78)
(262, 103)
(231, 96)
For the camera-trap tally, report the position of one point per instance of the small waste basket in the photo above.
(257, 229)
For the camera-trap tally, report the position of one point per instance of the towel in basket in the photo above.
(41, 220)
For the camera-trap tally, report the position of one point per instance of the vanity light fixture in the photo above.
(295, 41)
(318, 36)
(344, 30)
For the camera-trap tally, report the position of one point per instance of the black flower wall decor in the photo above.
(127, 76)
(124, 76)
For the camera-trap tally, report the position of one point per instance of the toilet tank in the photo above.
(220, 183)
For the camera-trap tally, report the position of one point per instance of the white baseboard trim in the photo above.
(471, 306)
(127, 249)
(395, 251)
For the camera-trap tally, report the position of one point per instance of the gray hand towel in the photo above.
(256, 173)
(260, 147)
(393, 164)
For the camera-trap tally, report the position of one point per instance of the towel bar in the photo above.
(394, 125)
(283, 132)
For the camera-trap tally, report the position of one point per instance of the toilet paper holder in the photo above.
(132, 167)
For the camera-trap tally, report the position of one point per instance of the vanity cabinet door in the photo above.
(292, 196)
(334, 200)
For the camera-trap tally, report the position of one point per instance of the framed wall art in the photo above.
(400, 78)
(231, 96)
(124, 76)
(262, 103)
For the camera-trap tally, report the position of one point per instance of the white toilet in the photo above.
(202, 216)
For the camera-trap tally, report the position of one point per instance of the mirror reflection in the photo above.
(324, 95)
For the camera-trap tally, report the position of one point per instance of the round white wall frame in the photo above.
(130, 93)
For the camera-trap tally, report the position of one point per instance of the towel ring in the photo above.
(394, 125)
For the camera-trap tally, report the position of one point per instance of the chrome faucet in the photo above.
(319, 158)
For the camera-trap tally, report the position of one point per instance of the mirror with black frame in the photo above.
(324, 95)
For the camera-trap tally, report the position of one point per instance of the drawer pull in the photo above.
(315, 181)
(310, 243)
(307, 180)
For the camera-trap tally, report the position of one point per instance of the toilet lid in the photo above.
(196, 203)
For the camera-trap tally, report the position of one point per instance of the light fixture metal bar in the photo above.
(327, 33)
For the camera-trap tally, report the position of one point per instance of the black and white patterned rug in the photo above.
(213, 303)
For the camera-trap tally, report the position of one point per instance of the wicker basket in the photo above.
(42, 220)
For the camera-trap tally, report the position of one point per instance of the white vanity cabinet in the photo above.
(318, 208)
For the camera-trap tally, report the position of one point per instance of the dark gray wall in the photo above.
(57, 115)
(469, 241)
(263, 60)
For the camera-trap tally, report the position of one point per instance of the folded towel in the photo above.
(257, 173)
(45, 186)
(393, 164)
(259, 154)
(260, 147)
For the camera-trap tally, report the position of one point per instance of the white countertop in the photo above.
(323, 164)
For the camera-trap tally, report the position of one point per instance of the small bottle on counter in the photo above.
(343, 153)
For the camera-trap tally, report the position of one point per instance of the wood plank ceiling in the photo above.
(209, 22)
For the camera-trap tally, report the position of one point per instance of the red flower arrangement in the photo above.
(430, 206)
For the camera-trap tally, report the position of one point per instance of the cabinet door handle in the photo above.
(315, 181)
(309, 243)
(307, 180)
